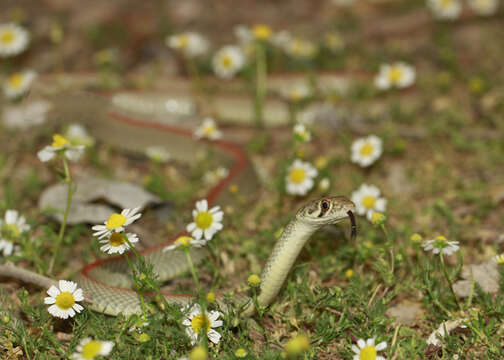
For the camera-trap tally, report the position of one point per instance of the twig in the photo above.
(10, 270)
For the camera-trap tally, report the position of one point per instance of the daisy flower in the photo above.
(441, 245)
(300, 49)
(14, 224)
(23, 116)
(213, 177)
(257, 32)
(191, 44)
(63, 299)
(365, 151)
(206, 222)
(297, 92)
(334, 41)
(367, 200)
(89, 349)
(324, 184)
(399, 75)
(484, 7)
(208, 129)
(18, 84)
(6, 247)
(198, 323)
(185, 242)
(78, 135)
(367, 350)
(445, 9)
(13, 39)
(115, 243)
(61, 144)
(301, 133)
(157, 154)
(228, 61)
(116, 222)
(281, 38)
(300, 177)
(499, 259)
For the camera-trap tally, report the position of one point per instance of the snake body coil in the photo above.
(107, 283)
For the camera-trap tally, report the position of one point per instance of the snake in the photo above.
(107, 283)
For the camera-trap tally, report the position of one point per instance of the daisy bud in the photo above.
(210, 297)
(254, 280)
(241, 353)
(143, 338)
(416, 238)
(198, 353)
(297, 345)
(378, 218)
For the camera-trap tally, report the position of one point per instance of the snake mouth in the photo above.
(354, 225)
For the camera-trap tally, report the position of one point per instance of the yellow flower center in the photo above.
(295, 95)
(116, 239)
(183, 240)
(297, 176)
(91, 349)
(209, 130)
(59, 141)
(349, 273)
(15, 80)
(65, 300)
(241, 353)
(7, 37)
(395, 74)
(114, 221)
(440, 242)
(203, 220)
(369, 202)
(183, 41)
(297, 47)
(227, 62)
(368, 353)
(445, 3)
(261, 32)
(199, 322)
(366, 150)
(12, 229)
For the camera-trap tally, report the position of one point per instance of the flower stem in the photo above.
(140, 294)
(193, 270)
(260, 85)
(199, 87)
(293, 112)
(448, 279)
(70, 192)
(152, 282)
(391, 244)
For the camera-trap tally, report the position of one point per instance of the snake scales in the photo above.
(107, 283)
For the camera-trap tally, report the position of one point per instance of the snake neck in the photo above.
(284, 254)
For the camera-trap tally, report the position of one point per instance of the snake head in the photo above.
(327, 210)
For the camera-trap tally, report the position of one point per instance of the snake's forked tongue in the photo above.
(354, 225)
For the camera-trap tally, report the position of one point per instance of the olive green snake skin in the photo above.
(107, 284)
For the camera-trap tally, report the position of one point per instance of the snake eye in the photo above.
(324, 206)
